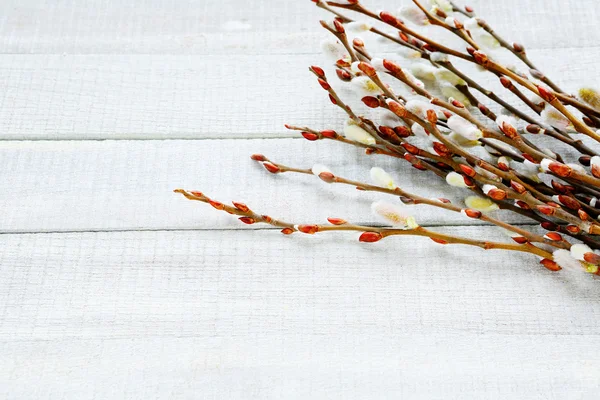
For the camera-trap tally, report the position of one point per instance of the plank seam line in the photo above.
(26, 232)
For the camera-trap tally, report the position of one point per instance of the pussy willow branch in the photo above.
(550, 131)
(436, 203)
(481, 59)
(250, 217)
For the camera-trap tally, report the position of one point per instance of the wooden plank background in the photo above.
(111, 286)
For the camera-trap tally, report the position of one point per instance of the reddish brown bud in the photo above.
(522, 205)
(555, 236)
(240, 206)
(357, 42)
(439, 241)
(484, 110)
(472, 213)
(310, 136)
(337, 221)
(559, 187)
(480, 57)
(509, 130)
(569, 202)
(592, 258)
(547, 210)
(518, 47)
(429, 47)
(573, 229)
(267, 219)
(367, 69)
(533, 129)
(216, 204)
(247, 220)
(370, 101)
(468, 170)
(546, 94)
(390, 19)
(258, 157)
(447, 114)
(402, 131)
(338, 26)
(529, 158)
(411, 149)
(327, 177)
(407, 200)
(595, 170)
(583, 215)
(360, 188)
(397, 109)
(432, 117)
(553, 204)
(468, 181)
(443, 200)
(503, 166)
(517, 187)
(585, 160)
(470, 50)
(457, 104)
(497, 194)
(549, 226)
(560, 169)
(329, 134)
(272, 168)
(308, 229)
(520, 239)
(287, 231)
(550, 265)
(370, 237)
(332, 99)
(341, 63)
(197, 194)
(589, 122)
(507, 83)
(392, 66)
(469, 9)
(441, 149)
(343, 75)
(324, 84)
(536, 74)
(403, 36)
(318, 71)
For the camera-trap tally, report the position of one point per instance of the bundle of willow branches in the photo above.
(432, 113)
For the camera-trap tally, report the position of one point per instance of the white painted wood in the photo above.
(108, 185)
(242, 315)
(171, 97)
(256, 27)
(222, 313)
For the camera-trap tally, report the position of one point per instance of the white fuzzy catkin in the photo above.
(578, 250)
(382, 178)
(393, 214)
(455, 179)
(414, 14)
(333, 49)
(565, 260)
(358, 134)
(464, 128)
(483, 204)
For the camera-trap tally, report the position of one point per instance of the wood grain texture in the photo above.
(187, 302)
(121, 185)
(173, 97)
(240, 315)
